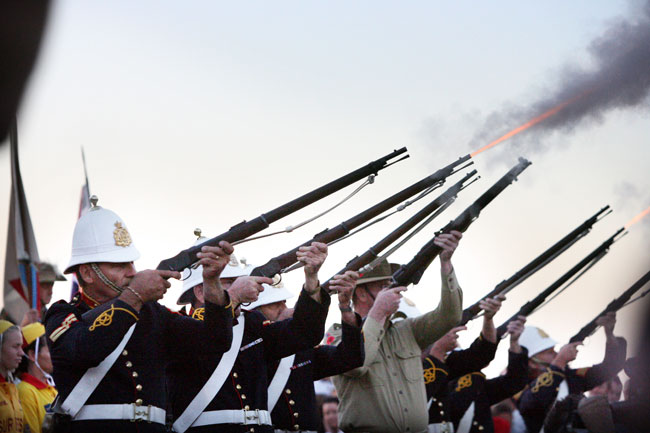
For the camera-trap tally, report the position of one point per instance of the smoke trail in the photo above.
(619, 79)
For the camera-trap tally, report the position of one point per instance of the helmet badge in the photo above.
(121, 235)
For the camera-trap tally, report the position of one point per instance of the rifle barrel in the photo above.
(531, 305)
(247, 228)
(373, 252)
(412, 271)
(536, 264)
(278, 263)
(613, 306)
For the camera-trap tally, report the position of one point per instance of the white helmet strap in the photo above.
(105, 279)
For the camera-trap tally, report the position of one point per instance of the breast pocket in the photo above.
(410, 363)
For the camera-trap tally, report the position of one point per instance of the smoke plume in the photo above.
(620, 78)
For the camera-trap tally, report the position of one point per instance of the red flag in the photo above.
(21, 280)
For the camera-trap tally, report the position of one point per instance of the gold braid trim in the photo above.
(430, 373)
(106, 318)
(198, 314)
(466, 381)
(544, 379)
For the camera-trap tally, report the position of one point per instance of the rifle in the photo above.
(536, 264)
(373, 252)
(413, 270)
(584, 265)
(245, 229)
(613, 306)
(277, 264)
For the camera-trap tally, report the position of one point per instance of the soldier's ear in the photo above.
(86, 273)
(198, 293)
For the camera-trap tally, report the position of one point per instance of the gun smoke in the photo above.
(620, 78)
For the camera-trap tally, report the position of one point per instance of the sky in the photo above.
(206, 113)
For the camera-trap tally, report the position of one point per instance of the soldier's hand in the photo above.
(151, 285)
(516, 328)
(313, 258)
(344, 285)
(247, 289)
(214, 260)
(448, 242)
(567, 353)
(491, 305)
(607, 321)
(386, 303)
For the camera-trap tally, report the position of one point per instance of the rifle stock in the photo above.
(276, 264)
(531, 305)
(411, 273)
(536, 264)
(245, 229)
(613, 306)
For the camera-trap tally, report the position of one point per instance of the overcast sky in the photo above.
(203, 114)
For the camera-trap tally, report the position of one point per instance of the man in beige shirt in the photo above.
(387, 393)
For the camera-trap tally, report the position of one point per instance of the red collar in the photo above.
(88, 300)
(26, 377)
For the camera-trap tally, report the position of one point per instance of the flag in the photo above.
(21, 290)
(84, 205)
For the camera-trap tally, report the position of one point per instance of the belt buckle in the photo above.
(250, 415)
(141, 413)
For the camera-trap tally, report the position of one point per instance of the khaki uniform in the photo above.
(387, 393)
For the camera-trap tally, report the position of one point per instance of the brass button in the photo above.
(442, 412)
(480, 427)
(243, 396)
(138, 402)
(129, 364)
(295, 414)
(238, 386)
(252, 429)
(138, 387)
(296, 427)
(247, 407)
(291, 402)
(440, 403)
(235, 375)
(288, 391)
(475, 423)
(125, 352)
(134, 374)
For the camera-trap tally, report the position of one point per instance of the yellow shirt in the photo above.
(36, 398)
(11, 413)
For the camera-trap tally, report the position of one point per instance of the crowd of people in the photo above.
(235, 358)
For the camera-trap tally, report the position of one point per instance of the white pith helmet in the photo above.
(100, 235)
(233, 269)
(406, 309)
(270, 295)
(535, 340)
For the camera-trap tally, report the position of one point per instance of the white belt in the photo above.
(129, 412)
(241, 416)
(441, 427)
(294, 431)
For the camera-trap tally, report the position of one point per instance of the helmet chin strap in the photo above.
(105, 279)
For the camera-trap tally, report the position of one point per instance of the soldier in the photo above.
(111, 344)
(229, 393)
(472, 395)
(387, 393)
(443, 364)
(552, 378)
(292, 398)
